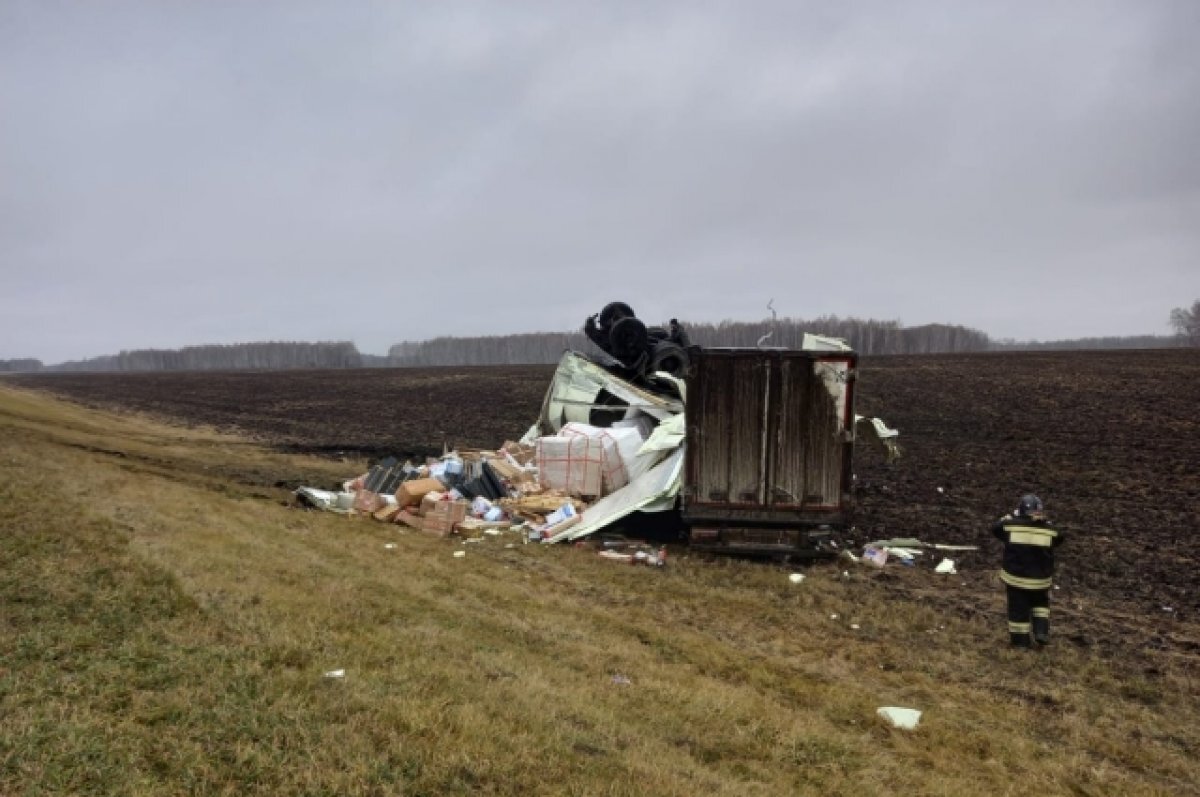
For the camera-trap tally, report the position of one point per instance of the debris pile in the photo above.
(906, 551)
(610, 440)
(566, 478)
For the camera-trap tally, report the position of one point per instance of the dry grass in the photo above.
(165, 623)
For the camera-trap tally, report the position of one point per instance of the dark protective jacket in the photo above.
(1028, 551)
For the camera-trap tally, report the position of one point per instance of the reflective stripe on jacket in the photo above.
(1028, 551)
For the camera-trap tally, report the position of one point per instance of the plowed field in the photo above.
(1110, 440)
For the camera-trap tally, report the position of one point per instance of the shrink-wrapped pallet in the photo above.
(573, 464)
(620, 463)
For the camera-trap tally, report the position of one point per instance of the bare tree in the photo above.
(1186, 322)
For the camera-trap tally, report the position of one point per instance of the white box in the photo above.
(571, 464)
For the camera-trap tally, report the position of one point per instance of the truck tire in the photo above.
(614, 312)
(669, 357)
(627, 339)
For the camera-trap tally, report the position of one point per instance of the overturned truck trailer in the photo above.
(769, 446)
(752, 448)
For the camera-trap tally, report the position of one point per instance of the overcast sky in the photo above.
(179, 173)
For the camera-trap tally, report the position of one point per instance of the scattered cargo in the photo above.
(748, 450)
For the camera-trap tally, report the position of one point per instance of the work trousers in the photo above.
(1028, 612)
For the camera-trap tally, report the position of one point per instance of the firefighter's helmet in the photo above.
(1030, 506)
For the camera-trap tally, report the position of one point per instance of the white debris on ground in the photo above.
(906, 719)
(906, 551)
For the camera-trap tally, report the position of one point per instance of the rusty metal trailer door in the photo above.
(769, 445)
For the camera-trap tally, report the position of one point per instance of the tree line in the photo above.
(868, 337)
(521, 349)
(269, 355)
(23, 365)
(1110, 342)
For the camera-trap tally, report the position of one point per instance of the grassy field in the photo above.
(166, 621)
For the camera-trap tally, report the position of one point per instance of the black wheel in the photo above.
(670, 358)
(627, 338)
(614, 312)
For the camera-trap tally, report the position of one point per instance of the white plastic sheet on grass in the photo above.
(324, 499)
(905, 719)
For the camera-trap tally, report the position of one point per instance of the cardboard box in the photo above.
(387, 513)
(441, 518)
(411, 492)
(407, 518)
(427, 502)
(522, 454)
(508, 471)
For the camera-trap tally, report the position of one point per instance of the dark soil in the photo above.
(1109, 440)
(372, 412)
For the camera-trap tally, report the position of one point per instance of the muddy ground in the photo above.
(1110, 440)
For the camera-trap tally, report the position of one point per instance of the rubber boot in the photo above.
(1041, 630)
(1020, 640)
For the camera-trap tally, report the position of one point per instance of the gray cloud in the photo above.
(219, 172)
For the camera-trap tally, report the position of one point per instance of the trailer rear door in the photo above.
(769, 437)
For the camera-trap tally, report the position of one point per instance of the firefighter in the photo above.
(1029, 543)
